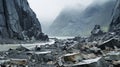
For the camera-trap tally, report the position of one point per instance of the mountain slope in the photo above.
(73, 22)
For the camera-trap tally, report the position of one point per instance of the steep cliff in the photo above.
(18, 21)
(73, 22)
(115, 22)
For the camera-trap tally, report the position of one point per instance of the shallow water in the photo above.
(61, 37)
(6, 47)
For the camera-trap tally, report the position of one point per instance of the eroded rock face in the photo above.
(115, 24)
(97, 30)
(18, 21)
(96, 34)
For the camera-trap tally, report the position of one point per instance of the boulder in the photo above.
(97, 30)
(96, 33)
(111, 43)
(96, 62)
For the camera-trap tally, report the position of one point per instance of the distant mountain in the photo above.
(73, 22)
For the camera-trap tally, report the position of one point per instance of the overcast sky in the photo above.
(47, 10)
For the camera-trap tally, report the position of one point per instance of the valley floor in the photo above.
(70, 52)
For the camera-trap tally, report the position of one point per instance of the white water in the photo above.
(61, 37)
(6, 47)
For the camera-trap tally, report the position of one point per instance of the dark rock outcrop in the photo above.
(115, 24)
(18, 21)
(97, 30)
(96, 34)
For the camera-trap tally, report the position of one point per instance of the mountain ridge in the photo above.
(72, 23)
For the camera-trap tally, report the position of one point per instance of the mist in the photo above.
(48, 10)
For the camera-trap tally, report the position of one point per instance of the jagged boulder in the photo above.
(18, 21)
(96, 62)
(96, 33)
(97, 30)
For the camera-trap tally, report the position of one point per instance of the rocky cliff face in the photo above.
(115, 23)
(18, 21)
(73, 22)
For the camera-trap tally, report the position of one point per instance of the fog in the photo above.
(48, 10)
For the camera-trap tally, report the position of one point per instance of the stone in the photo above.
(115, 20)
(18, 21)
(96, 62)
(22, 48)
(113, 55)
(111, 43)
(97, 30)
(96, 33)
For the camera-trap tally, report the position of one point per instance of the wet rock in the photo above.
(37, 48)
(70, 59)
(113, 56)
(18, 21)
(97, 30)
(18, 62)
(76, 38)
(96, 33)
(109, 35)
(21, 48)
(40, 57)
(79, 39)
(76, 60)
(116, 63)
(96, 50)
(111, 43)
(115, 20)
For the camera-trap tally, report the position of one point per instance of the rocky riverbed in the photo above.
(72, 52)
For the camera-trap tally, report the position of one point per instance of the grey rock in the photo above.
(96, 33)
(115, 22)
(97, 30)
(112, 56)
(18, 21)
(111, 43)
(96, 62)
